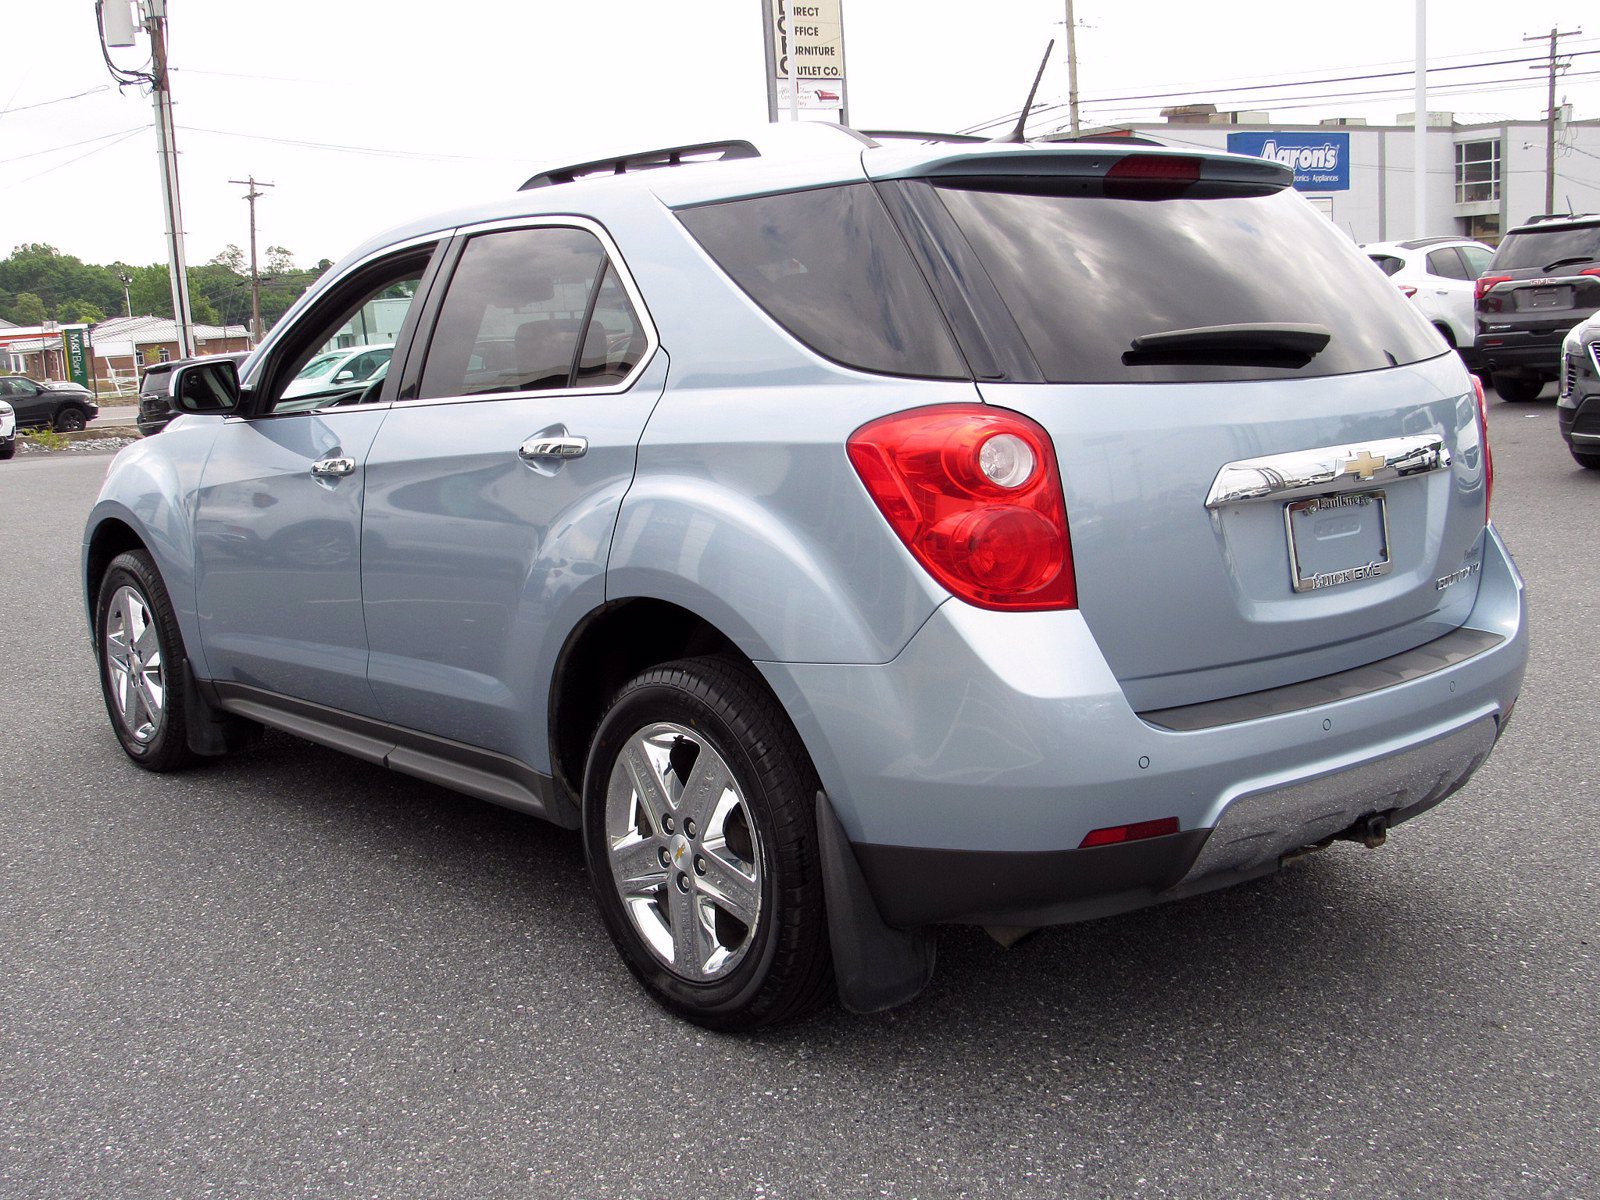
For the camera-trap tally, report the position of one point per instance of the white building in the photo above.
(1482, 179)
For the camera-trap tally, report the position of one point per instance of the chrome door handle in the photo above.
(542, 448)
(333, 468)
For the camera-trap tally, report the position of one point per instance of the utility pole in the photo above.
(1419, 129)
(167, 150)
(1553, 66)
(255, 276)
(1072, 67)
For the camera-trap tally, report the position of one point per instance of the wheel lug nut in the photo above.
(683, 882)
(668, 823)
(699, 865)
(666, 859)
(688, 827)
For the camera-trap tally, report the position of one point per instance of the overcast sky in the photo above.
(363, 114)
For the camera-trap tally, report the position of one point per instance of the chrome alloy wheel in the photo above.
(684, 851)
(137, 674)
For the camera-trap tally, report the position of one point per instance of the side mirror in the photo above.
(206, 387)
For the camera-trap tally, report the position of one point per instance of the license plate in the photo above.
(1337, 539)
(1548, 297)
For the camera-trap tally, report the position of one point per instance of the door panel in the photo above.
(278, 553)
(477, 563)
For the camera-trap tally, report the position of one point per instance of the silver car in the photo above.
(849, 538)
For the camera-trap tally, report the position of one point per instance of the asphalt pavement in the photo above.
(293, 974)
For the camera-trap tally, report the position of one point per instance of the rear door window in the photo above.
(533, 310)
(829, 266)
(1447, 263)
(1083, 275)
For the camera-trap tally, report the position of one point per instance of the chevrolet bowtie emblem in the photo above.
(1364, 465)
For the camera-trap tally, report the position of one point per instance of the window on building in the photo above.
(1478, 171)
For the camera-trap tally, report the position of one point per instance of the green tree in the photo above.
(74, 311)
(280, 261)
(58, 278)
(232, 257)
(29, 309)
(151, 293)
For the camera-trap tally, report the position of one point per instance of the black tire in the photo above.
(70, 418)
(1587, 460)
(7, 449)
(780, 967)
(1449, 338)
(157, 741)
(1517, 389)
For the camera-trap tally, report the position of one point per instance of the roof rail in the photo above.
(1539, 218)
(644, 160)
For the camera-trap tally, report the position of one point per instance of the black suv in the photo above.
(155, 390)
(1543, 280)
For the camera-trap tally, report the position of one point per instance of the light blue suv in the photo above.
(849, 538)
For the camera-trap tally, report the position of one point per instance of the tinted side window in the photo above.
(1387, 263)
(830, 267)
(1447, 263)
(513, 314)
(1084, 275)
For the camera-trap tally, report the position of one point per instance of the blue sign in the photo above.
(1320, 161)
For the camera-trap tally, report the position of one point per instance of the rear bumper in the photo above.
(967, 772)
(1537, 351)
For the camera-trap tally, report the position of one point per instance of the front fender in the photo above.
(150, 489)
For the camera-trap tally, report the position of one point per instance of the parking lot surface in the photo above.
(293, 974)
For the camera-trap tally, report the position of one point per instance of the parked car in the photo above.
(1543, 279)
(59, 406)
(1578, 405)
(155, 408)
(8, 430)
(341, 369)
(1438, 275)
(964, 567)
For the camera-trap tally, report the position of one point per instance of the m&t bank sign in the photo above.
(1320, 161)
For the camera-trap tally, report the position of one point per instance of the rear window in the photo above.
(1545, 249)
(830, 267)
(1083, 275)
(156, 383)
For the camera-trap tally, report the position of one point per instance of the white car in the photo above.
(349, 367)
(1439, 275)
(8, 430)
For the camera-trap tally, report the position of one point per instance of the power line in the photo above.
(104, 87)
(97, 150)
(70, 145)
(1223, 90)
(343, 149)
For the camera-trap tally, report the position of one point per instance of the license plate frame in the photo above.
(1309, 571)
(1557, 296)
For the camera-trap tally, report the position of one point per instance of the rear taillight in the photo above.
(1590, 271)
(1483, 433)
(1487, 282)
(1406, 290)
(975, 495)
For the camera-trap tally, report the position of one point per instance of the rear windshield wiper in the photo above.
(1284, 345)
(1567, 261)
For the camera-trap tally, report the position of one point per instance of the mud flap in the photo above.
(876, 967)
(211, 731)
